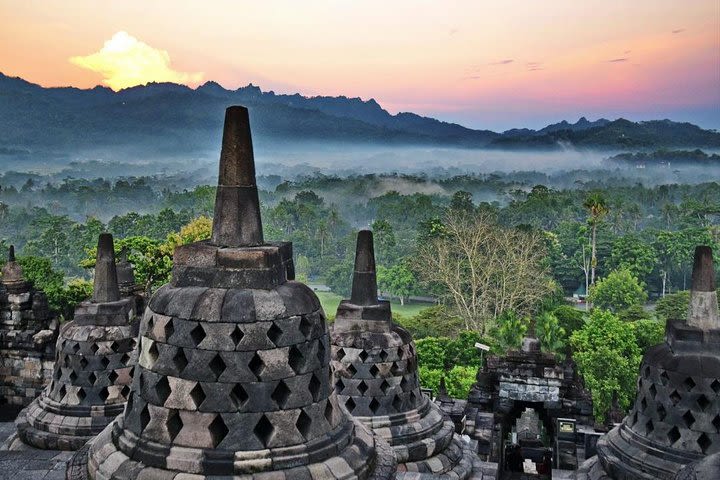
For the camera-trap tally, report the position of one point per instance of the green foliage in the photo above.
(510, 330)
(430, 377)
(633, 254)
(431, 352)
(339, 278)
(608, 358)
(459, 380)
(648, 333)
(618, 291)
(433, 321)
(398, 280)
(461, 351)
(302, 269)
(673, 306)
(634, 313)
(551, 335)
(569, 318)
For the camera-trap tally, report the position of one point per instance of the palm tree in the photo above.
(597, 207)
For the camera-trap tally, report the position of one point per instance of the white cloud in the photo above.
(124, 61)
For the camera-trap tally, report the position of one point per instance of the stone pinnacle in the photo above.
(105, 287)
(11, 253)
(703, 312)
(364, 286)
(237, 207)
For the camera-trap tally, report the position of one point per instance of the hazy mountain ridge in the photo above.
(171, 118)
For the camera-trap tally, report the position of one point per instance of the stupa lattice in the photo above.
(233, 376)
(376, 380)
(95, 356)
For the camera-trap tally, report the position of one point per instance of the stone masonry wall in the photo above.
(23, 375)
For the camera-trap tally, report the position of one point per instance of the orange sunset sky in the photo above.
(484, 64)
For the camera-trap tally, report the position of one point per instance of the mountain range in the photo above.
(171, 118)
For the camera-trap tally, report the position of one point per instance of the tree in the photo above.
(608, 358)
(648, 333)
(597, 208)
(339, 278)
(398, 281)
(673, 306)
(551, 335)
(482, 269)
(618, 291)
(510, 330)
(431, 352)
(435, 321)
(631, 253)
(302, 268)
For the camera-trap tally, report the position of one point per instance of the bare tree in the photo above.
(483, 270)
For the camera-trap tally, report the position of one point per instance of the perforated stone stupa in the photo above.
(233, 375)
(675, 420)
(95, 354)
(376, 380)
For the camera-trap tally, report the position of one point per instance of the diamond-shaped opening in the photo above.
(73, 376)
(404, 384)
(238, 395)
(256, 365)
(639, 383)
(281, 394)
(374, 406)
(351, 370)
(66, 361)
(264, 430)
(112, 376)
(716, 423)
(125, 359)
(218, 430)
(81, 394)
(673, 435)
(58, 374)
(144, 418)
(173, 424)
(151, 323)
(689, 383)
(664, 378)
(643, 404)
(384, 386)
(92, 378)
(395, 369)
(83, 362)
(237, 335)
(303, 424)
(363, 355)
(169, 329)
(374, 370)
(153, 352)
(383, 355)
(62, 391)
(103, 394)
(703, 402)
(76, 347)
(688, 418)
(104, 362)
(115, 346)
(328, 412)
(634, 419)
(350, 405)
(661, 412)
(180, 360)
(340, 354)
(197, 335)
(652, 390)
(715, 385)
(162, 388)
(675, 397)
(362, 387)
(321, 352)
(274, 333)
(397, 403)
(339, 385)
(704, 442)
(296, 359)
(400, 353)
(217, 365)
(646, 373)
(125, 391)
(314, 387)
(198, 395)
(649, 427)
(305, 326)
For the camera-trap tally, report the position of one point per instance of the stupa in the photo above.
(376, 380)
(233, 377)
(675, 420)
(95, 355)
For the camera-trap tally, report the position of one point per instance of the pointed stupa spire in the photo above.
(105, 287)
(364, 286)
(703, 311)
(12, 274)
(11, 254)
(237, 206)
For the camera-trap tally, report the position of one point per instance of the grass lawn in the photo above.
(330, 302)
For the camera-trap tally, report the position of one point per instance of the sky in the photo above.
(493, 64)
